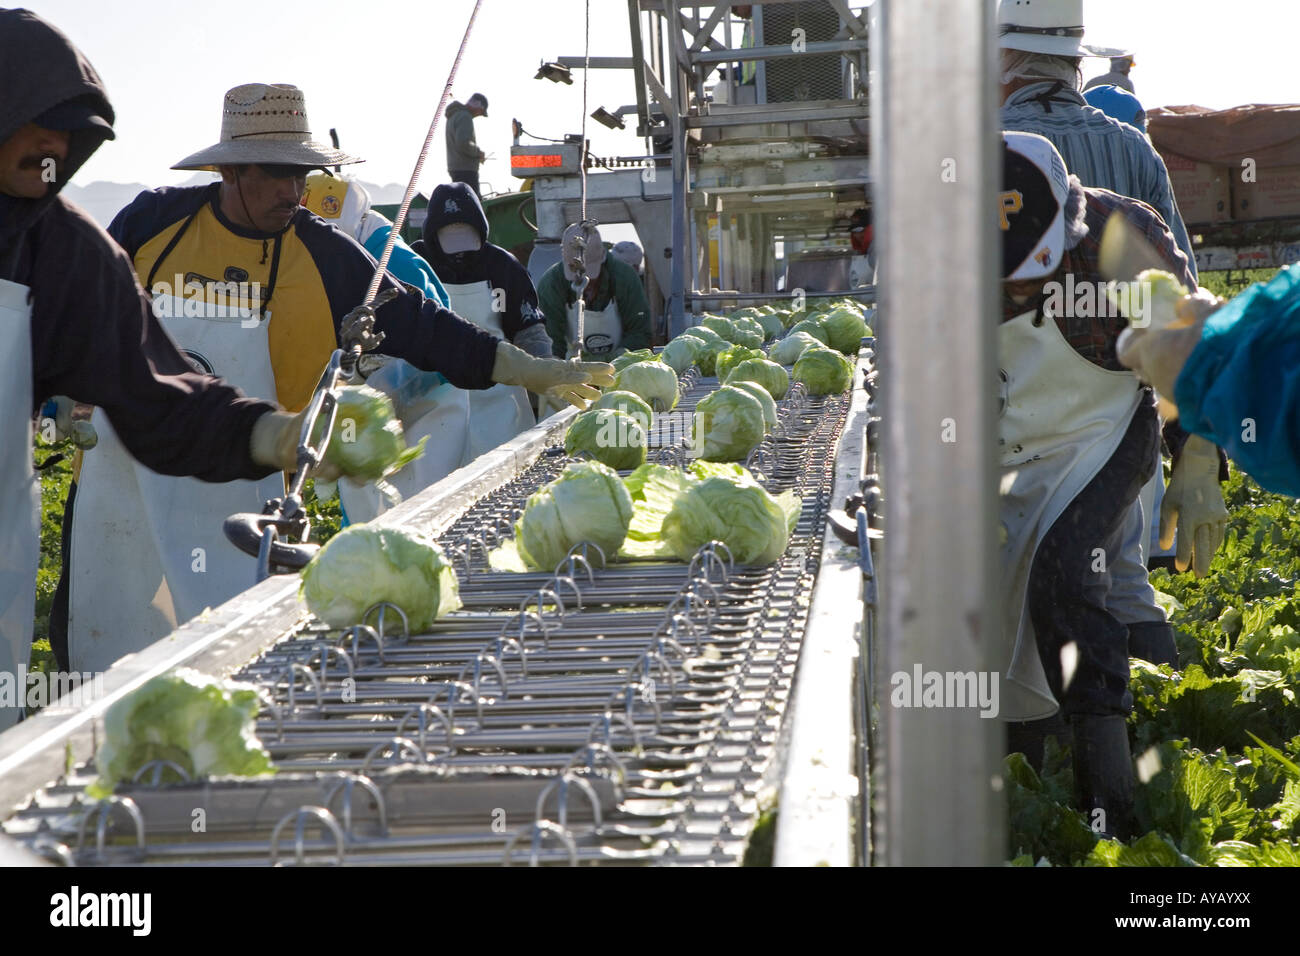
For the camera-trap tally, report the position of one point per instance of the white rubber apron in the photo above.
(602, 335)
(428, 407)
(602, 332)
(20, 498)
(147, 550)
(1061, 419)
(499, 413)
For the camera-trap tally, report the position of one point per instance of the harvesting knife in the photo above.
(1125, 252)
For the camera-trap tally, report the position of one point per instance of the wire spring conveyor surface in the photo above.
(601, 714)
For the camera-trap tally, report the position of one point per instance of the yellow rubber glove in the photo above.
(1193, 507)
(577, 383)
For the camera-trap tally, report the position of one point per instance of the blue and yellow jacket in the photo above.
(310, 275)
(407, 265)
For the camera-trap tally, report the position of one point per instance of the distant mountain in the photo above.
(104, 200)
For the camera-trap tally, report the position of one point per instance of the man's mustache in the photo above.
(40, 161)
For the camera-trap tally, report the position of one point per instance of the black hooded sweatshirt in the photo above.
(457, 202)
(94, 335)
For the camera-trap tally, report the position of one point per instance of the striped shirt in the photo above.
(1091, 327)
(1100, 150)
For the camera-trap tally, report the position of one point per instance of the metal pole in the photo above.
(936, 170)
(638, 72)
(680, 91)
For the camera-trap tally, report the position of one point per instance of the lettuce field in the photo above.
(1217, 741)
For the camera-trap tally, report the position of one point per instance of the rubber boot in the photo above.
(1103, 773)
(1153, 641)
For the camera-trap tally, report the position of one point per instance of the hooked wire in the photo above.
(586, 72)
(419, 163)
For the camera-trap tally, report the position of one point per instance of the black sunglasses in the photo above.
(285, 170)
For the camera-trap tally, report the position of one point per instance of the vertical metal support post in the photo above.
(680, 92)
(936, 173)
(638, 72)
(731, 67)
(726, 250)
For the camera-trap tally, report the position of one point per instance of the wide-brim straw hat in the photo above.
(1054, 27)
(265, 123)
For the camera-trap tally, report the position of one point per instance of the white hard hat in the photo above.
(1054, 27)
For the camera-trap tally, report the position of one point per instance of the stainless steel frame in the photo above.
(934, 105)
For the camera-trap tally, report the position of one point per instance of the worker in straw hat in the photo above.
(1077, 437)
(254, 287)
(75, 322)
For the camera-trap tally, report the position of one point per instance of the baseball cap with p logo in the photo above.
(1031, 206)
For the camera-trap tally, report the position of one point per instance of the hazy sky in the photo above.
(375, 69)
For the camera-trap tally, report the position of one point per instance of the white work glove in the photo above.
(82, 433)
(1157, 355)
(274, 444)
(577, 383)
(1193, 507)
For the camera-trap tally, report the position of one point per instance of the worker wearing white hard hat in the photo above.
(256, 288)
(1077, 435)
(489, 287)
(428, 405)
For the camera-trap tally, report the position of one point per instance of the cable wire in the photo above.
(586, 72)
(419, 163)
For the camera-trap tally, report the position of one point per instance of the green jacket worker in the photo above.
(617, 316)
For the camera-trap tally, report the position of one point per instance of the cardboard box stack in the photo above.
(1203, 191)
(1274, 193)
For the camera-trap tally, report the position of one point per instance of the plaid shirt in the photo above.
(1093, 336)
(1101, 151)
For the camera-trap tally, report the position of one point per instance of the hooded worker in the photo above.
(256, 288)
(616, 316)
(428, 405)
(95, 339)
(488, 287)
(1077, 440)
